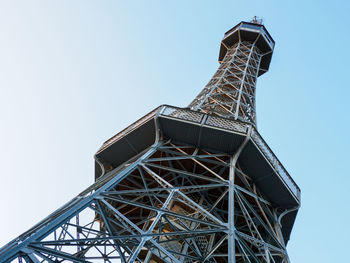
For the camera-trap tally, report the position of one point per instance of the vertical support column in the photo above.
(231, 201)
(231, 209)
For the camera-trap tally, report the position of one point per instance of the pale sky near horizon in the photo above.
(74, 73)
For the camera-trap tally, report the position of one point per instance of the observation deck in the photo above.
(252, 32)
(212, 133)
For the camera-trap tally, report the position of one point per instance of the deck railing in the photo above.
(237, 126)
(216, 122)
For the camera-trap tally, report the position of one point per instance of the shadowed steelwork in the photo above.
(195, 184)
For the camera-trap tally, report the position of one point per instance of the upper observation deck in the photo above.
(251, 32)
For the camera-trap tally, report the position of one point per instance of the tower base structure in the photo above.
(176, 186)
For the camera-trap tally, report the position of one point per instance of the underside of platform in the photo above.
(213, 134)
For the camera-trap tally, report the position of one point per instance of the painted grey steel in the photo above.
(181, 199)
(231, 91)
(174, 203)
(238, 127)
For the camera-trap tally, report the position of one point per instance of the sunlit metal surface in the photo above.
(196, 184)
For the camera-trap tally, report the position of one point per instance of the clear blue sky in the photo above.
(74, 73)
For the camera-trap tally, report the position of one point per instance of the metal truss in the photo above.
(172, 203)
(175, 202)
(231, 91)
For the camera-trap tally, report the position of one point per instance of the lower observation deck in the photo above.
(212, 133)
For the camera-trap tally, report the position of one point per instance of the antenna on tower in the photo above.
(257, 20)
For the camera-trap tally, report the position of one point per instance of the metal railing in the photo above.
(183, 114)
(275, 163)
(198, 117)
(215, 122)
(254, 27)
(129, 129)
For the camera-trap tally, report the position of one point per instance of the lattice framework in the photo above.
(176, 202)
(231, 91)
(172, 204)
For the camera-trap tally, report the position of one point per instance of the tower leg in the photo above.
(174, 203)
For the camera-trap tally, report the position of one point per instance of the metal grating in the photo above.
(226, 124)
(270, 156)
(182, 114)
(130, 128)
(236, 126)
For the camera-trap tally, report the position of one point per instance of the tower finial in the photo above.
(257, 20)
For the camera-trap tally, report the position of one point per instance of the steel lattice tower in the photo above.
(195, 184)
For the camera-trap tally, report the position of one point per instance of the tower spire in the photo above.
(245, 54)
(257, 20)
(181, 185)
